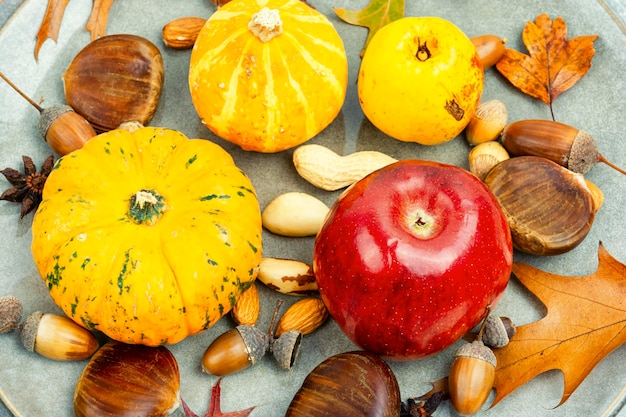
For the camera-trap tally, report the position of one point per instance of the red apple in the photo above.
(410, 258)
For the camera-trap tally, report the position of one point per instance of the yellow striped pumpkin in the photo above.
(268, 75)
(147, 236)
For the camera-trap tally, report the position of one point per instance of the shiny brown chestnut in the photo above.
(128, 380)
(549, 208)
(115, 79)
(348, 384)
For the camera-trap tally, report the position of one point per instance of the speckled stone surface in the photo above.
(32, 386)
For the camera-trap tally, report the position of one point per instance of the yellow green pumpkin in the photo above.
(147, 236)
(268, 75)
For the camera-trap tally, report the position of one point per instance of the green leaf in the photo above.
(373, 16)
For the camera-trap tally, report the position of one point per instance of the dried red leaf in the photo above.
(215, 406)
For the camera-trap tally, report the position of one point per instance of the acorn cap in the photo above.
(255, 340)
(584, 153)
(498, 331)
(286, 348)
(477, 350)
(11, 311)
(29, 331)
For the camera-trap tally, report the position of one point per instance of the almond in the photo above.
(306, 315)
(287, 276)
(246, 309)
(182, 33)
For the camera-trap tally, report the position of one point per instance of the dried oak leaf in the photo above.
(51, 23)
(373, 16)
(585, 322)
(555, 63)
(215, 409)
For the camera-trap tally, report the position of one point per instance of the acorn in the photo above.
(235, 350)
(487, 123)
(549, 209)
(245, 345)
(485, 156)
(490, 49)
(57, 337)
(115, 79)
(11, 311)
(572, 148)
(348, 384)
(128, 380)
(472, 375)
(63, 129)
(498, 331)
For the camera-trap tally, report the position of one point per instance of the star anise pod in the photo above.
(27, 187)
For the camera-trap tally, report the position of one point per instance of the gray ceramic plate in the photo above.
(33, 386)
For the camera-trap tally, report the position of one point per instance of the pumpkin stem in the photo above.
(146, 207)
(266, 24)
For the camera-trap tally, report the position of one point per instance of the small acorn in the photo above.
(498, 331)
(487, 123)
(57, 337)
(490, 49)
(63, 129)
(572, 148)
(11, 311)
(484, 156)
(235, 350)
(472, 375)
(239, 348)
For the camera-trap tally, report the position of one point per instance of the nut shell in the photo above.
(124, 380)
(549, 208)
(115, 79)
(348, 384)
(286, 348)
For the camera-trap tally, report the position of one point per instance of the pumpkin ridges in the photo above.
(150, 309)
(279, 103)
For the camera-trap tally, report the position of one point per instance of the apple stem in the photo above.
(423, 53)
(479, 336)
